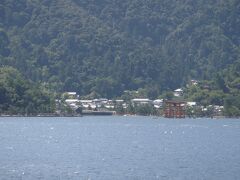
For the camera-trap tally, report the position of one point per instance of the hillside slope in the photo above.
(108, 46)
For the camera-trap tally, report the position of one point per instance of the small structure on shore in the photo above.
(174, 109)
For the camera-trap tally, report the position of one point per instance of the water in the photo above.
(119, 148)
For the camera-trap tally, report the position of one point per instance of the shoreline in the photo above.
(113, 114)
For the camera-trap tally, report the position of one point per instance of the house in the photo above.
(73, 103)
(119, 101)
(158, 103)
(125, 105)
(218, 110)
(70, 101)
(191, 104)
(87, 104)
(109, 106)
(194, 82)
(141, 101)
(178, 92)
(71, 95)
(100, 102)
(86, 101)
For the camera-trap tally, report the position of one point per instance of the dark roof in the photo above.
(175, 101)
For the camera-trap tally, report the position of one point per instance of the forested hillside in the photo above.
(18, 96)
(108, 46)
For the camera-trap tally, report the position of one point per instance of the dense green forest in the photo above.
(104, 47)
(19, 96)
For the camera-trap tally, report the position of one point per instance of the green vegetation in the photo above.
(100, 48)
(19, 96)
(223, 90)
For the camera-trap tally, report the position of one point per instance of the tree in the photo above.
(19, 96)
(232, 106)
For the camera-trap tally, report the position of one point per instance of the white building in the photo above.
(69, 101)
(178, 92)
(191, 104)
(100, 102)
(158, 103)
(72, 95)
(141, 101)
(194, 82)
(73, 103)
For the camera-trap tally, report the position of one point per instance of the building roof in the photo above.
(71, 100)
(175, 101)
(86, 101)
(141, 100)
(71, 93)
(178, 90)
(158, 100)
(191, 103)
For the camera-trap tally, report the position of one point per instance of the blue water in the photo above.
(119, 148)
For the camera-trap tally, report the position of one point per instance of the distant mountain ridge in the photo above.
(108, 46)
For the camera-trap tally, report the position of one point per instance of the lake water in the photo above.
(119, 148)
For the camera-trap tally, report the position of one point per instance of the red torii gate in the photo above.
(174, 109)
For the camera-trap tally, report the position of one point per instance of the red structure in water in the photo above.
(174, 109)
